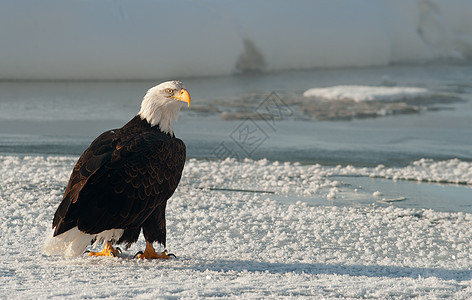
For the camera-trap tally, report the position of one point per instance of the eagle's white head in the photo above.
(162, 103)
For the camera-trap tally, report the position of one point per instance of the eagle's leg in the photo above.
(108, 250)
(149, 252)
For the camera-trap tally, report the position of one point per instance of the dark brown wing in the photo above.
(94, 157)
(139, 175)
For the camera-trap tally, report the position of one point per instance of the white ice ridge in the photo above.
(160, 39)
(360, 93)
(452, 171)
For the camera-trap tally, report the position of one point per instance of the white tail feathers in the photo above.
(73, 242)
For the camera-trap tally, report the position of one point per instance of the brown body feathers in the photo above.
(123, 181)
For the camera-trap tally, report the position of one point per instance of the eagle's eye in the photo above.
(169, 91)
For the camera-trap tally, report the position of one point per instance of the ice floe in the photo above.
(358, 93)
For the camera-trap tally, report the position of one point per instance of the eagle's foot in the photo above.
(108, 250)
(155, 255)
(150, 253)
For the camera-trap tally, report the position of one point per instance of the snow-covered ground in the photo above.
(142, 39)
(236, 233)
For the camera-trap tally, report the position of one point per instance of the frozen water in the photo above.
(241, 243)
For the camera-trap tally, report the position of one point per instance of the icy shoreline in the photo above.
(451, 171)
(245, 244)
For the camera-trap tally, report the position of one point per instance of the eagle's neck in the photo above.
(159, 112)
(137, 125)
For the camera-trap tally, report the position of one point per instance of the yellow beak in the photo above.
(183, 96)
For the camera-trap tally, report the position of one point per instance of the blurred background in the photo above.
(71, 70)
(125, 40)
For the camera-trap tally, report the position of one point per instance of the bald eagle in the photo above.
(121, 183)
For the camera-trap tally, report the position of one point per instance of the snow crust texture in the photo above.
(234, 240)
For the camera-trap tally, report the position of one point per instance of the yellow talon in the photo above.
(150, 253)
(108, 250)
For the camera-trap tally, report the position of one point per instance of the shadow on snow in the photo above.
(334, 269)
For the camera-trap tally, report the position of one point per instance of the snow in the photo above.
(359, 93)
(244, 242)
(162, 39)
(377, 194)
